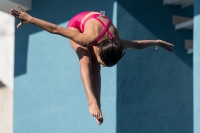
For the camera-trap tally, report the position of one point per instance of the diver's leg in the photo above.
(96, 76)
(85, 70)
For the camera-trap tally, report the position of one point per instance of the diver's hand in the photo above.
(21, 15)
(165, 45)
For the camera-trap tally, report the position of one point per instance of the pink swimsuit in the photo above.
(76, 23)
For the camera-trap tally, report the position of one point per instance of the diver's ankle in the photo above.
(92, 102)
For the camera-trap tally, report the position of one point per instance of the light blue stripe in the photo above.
(196, 61)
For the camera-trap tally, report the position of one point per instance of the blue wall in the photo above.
(196, 61)
(154, 88)
(152, 92)
(49, 95)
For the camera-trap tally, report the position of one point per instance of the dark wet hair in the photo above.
(111, 52)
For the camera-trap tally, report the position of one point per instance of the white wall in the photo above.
(6, 110)
(6, 5)
(7, 49)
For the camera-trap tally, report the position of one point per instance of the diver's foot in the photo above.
(96, 112)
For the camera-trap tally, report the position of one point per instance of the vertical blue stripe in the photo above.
(196, 62)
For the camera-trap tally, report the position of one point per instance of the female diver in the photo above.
(96, 41)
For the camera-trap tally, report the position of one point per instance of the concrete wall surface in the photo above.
(6, 110)
(7, 5)
(7, 33)
(6, 72)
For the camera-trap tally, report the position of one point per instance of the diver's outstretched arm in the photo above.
(141, 44)
(83, 39)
